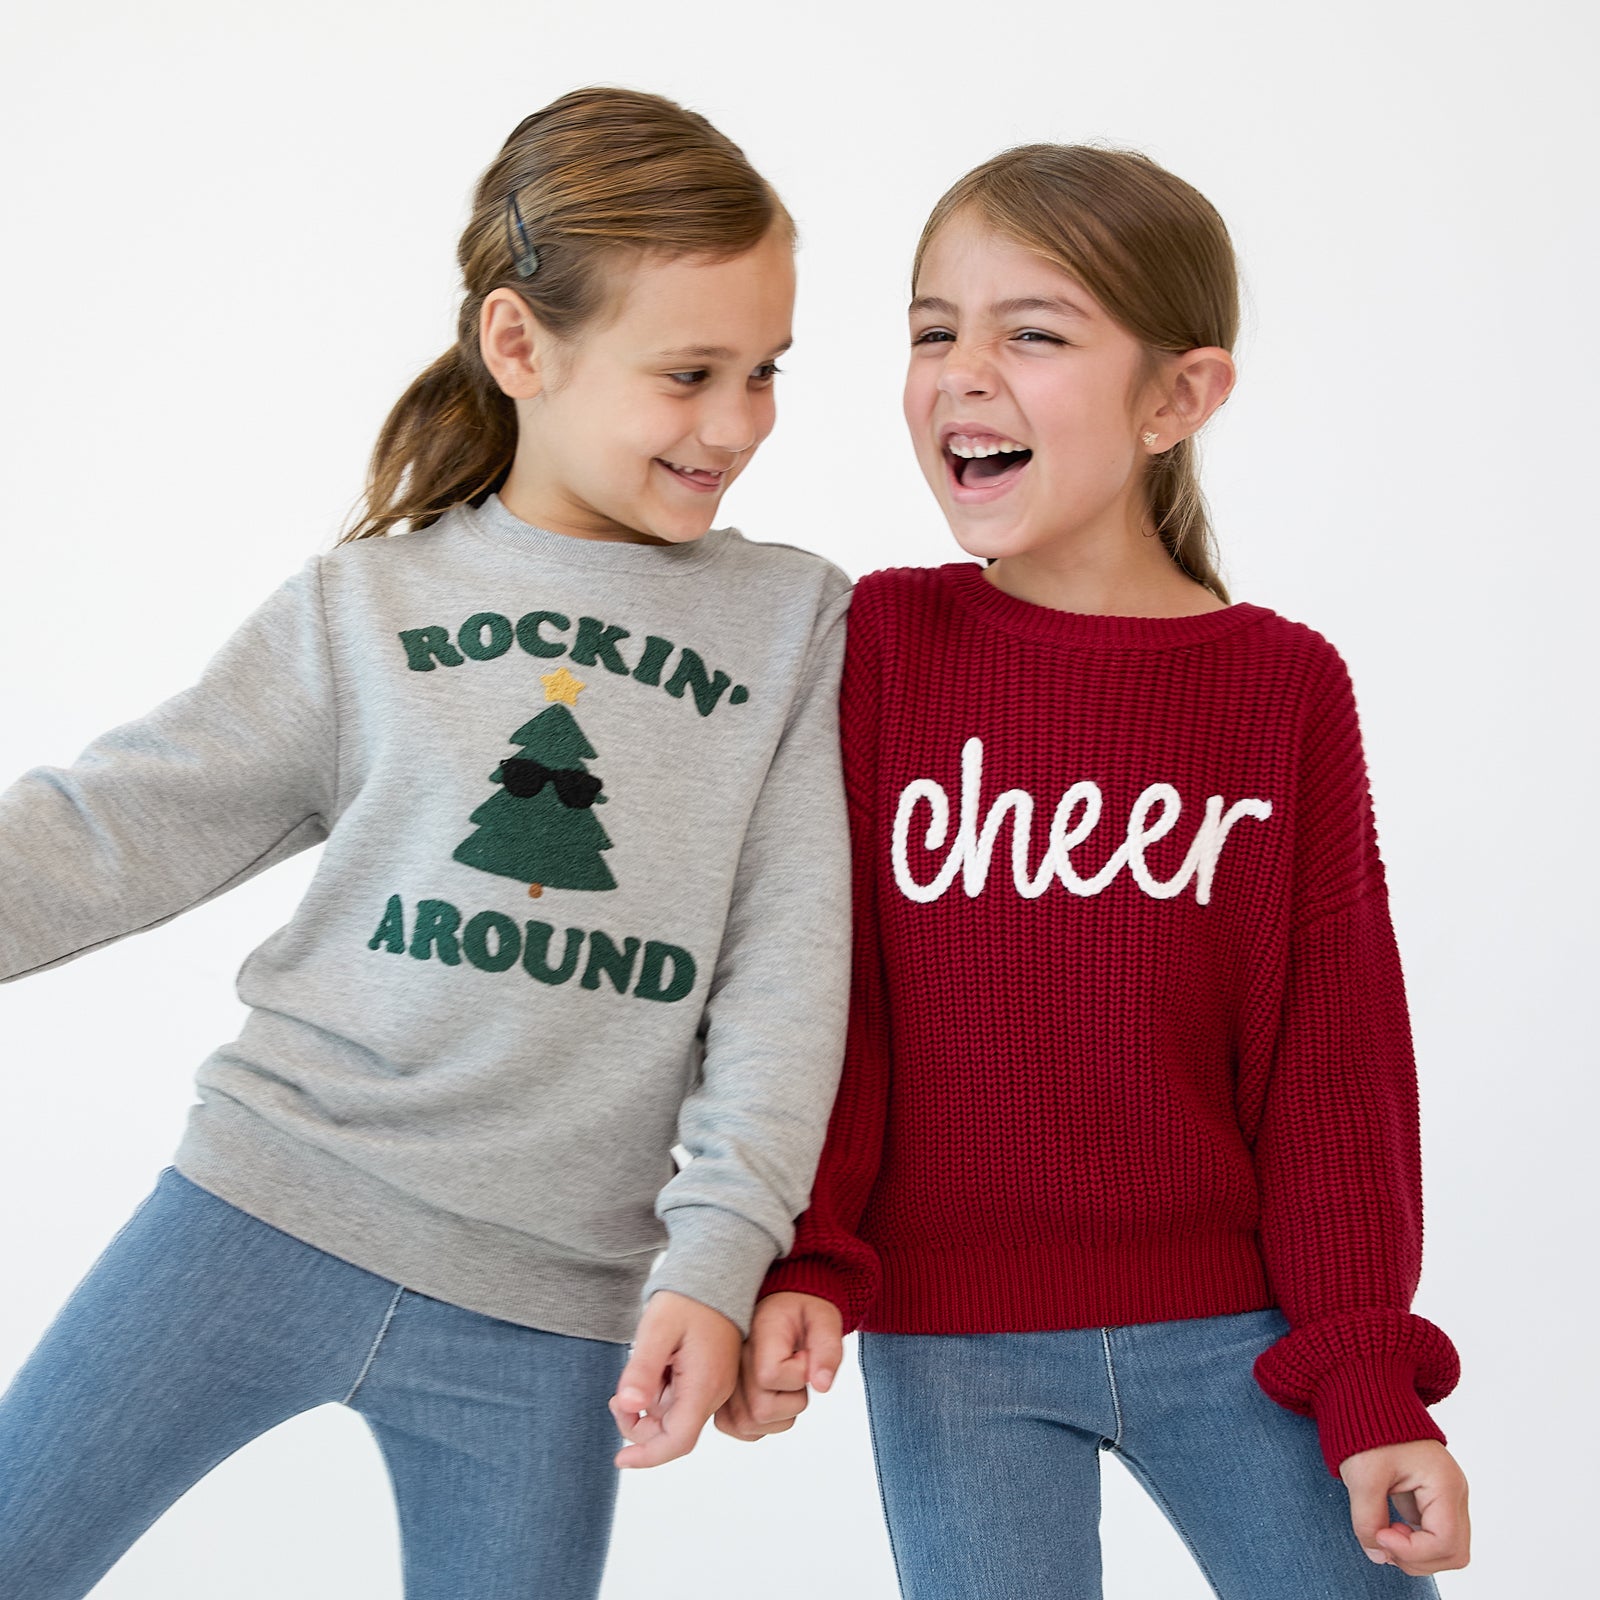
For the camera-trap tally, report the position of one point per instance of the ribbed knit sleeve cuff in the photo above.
(715, 1257)
(1367, 1377)
(807, 1275)
(1369, 1404)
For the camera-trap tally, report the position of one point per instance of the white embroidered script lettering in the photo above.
(1076, 816)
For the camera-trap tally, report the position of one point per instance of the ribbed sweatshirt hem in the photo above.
(325, 1202)
(986, 1289)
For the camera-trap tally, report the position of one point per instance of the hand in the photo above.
(684, 1364)
(1429, 1490)
(795, 1340)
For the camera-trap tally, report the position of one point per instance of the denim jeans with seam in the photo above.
(201, 1327)
(988, 1455)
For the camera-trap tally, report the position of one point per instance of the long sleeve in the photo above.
(1337, 1149)
(773, 1031)
(828, 1258)
(213, 786)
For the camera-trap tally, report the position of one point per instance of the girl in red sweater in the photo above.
(1125, 1156)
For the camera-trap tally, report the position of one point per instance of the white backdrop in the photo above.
(229, 237)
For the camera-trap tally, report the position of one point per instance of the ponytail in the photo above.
(1178, 508)
(449, 439)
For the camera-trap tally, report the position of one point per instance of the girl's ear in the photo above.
(1196, 383)
(515, 346)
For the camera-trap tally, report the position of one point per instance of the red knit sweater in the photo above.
(1160, 1068)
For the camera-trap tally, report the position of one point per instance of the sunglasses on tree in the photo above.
(525, 778)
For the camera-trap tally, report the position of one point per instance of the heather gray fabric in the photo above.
(505, 996)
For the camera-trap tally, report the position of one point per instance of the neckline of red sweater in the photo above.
(1032, 621)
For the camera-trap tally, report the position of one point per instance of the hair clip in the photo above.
(523, 256)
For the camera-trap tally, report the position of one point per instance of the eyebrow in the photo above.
(1004, 308)
(710, 352)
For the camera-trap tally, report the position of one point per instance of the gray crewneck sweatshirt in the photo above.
(584, 896)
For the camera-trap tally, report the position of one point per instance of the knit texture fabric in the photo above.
(1128, 1037)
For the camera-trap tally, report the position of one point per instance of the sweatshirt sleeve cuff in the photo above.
(1364, 1405)
(715, 1257)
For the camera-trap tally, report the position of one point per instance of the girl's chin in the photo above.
(683, 525)
(984, 549)
(665, 533)
(988, 537)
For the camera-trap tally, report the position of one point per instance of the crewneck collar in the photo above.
(492, 520)
(1086, 629)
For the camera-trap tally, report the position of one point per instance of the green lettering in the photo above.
(536, 951)
(656, 651)
(422, 644)
(595, 641)
(437, 921)
(472, 636)
(528, 633)
(656, 956)
(507, 941)
(691, 674)
(605, 957)
(391, 932)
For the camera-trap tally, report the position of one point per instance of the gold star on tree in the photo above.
(562, 686)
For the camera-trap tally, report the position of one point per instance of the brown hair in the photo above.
(1152, 250)
(598, 176)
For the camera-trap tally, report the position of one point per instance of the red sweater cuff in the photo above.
(1363, 1405)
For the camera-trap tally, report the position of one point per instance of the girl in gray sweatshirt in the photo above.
(556, 1028)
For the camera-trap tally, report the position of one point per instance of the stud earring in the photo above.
(1149, 438)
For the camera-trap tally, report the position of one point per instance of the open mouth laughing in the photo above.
(982, 464)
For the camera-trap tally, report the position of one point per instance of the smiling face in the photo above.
(634, 428)
(1026, 402)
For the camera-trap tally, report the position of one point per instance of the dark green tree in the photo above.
(549, 837)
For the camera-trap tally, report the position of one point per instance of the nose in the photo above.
(730, 424)
(966, 373)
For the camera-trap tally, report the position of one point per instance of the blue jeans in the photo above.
(200, 1328)
(988, 1455)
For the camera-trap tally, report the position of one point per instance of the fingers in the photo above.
(684, 1365)
(824, 1346)
(752, 1412)
(727, 1420)
(1429, 1492)
(798, 1341)
(686, 1405)
(645, 1389)
(741, 1420)
(1440, 1541)
(795, 1340)
(1419, 1553)
(773, 1356)
(1369, 1512)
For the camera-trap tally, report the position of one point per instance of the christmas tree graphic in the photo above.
(539, 827)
